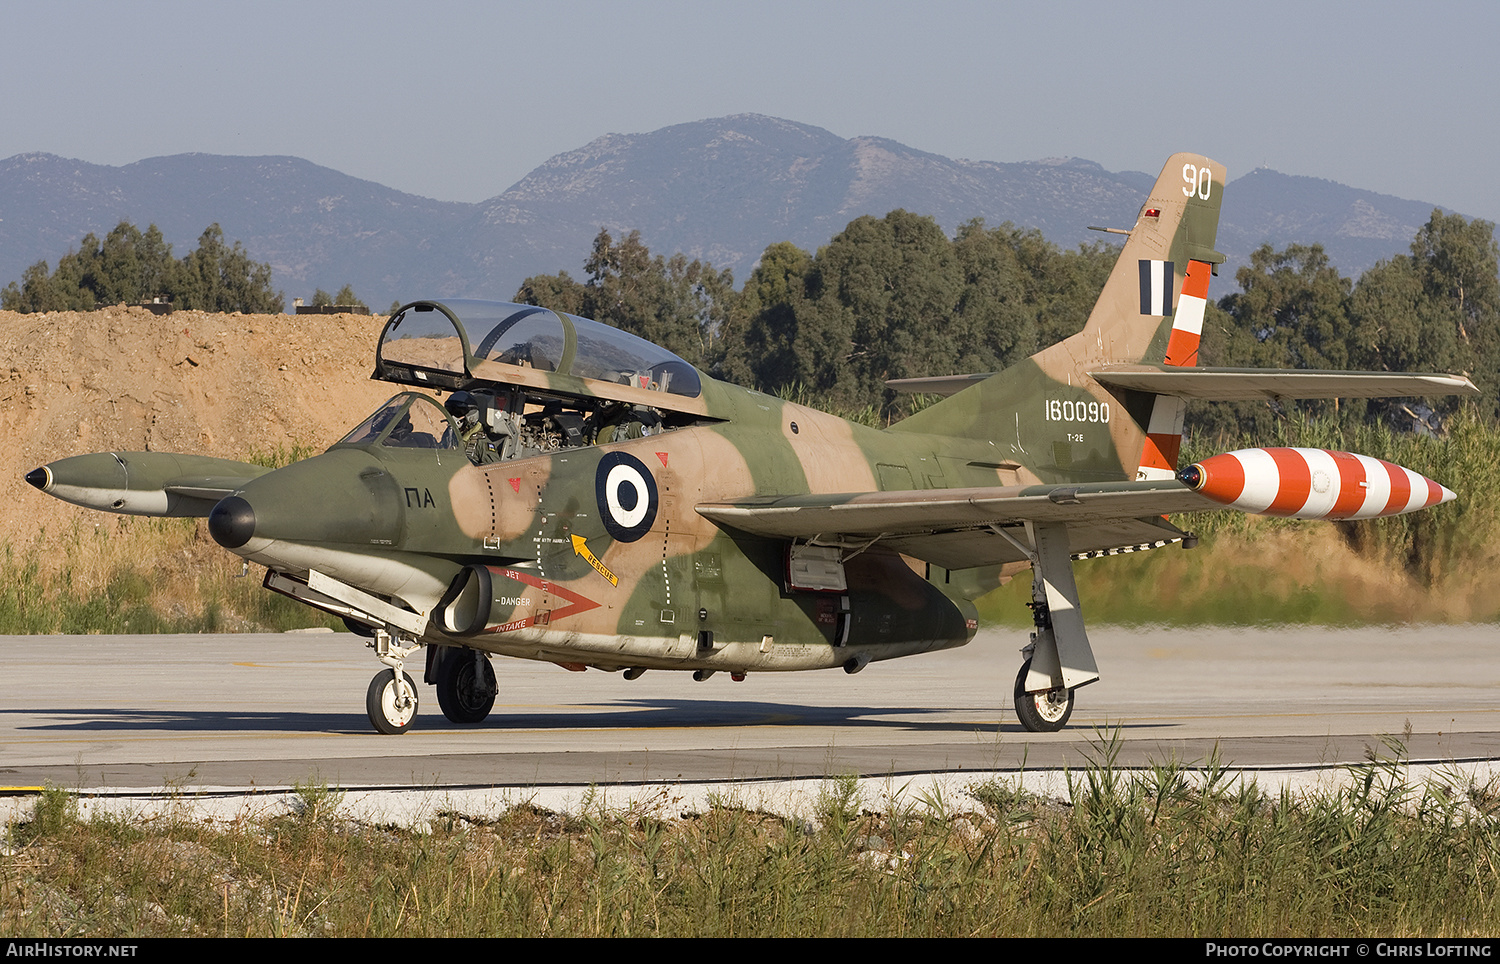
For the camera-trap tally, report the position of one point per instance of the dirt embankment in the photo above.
(124, 379)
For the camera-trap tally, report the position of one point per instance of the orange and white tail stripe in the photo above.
(1164, 431)
(1313, 484)
(1187, 322)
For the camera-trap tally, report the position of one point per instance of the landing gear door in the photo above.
(815, 569)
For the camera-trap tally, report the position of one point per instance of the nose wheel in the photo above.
(391, 702)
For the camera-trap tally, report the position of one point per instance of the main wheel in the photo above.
(465, 686)
(391, 705)
(1042, 712)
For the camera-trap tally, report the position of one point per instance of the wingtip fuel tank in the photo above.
(1312, 484)
(143, 483)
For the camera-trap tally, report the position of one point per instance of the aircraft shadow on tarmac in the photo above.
(634, 714)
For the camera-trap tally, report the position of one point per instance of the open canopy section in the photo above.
(460, 344)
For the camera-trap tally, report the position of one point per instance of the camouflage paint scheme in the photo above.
(675, 550)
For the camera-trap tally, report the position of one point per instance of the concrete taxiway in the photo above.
(274, 710)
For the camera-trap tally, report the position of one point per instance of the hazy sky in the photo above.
(459, 100)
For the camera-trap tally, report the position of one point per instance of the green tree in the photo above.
(679, 304)
(560, 292)
(220, 277)
(1437, 309)
(127, 266)
(1021, 293)
(882, 292)
(346, 296)
(1294, 306)
(760, 340)
(39, 291)
(130, 266)
(995, 318)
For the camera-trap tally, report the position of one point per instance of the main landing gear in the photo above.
(465, 685)
(1043, 712)
(1058, 659)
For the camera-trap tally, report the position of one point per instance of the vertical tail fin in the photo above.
(1047, 413)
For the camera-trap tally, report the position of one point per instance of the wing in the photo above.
(963, 528)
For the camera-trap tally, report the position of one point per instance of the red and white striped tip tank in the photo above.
(1312, 484)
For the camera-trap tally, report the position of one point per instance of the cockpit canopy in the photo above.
(459, 344)
(407, 421)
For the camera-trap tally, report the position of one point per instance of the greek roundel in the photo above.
(626, 493)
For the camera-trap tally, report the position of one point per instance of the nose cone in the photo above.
(39, 478)
(232, 522)
(340, 497)
(1448, 495)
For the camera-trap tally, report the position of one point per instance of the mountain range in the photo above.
(719, 189)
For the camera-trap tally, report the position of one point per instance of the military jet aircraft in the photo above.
(585, 497)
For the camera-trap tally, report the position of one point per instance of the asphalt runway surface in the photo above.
(275, 710)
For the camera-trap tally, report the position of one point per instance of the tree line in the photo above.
(131, 266)
(895, 297)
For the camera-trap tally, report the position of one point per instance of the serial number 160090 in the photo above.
(1071, 411)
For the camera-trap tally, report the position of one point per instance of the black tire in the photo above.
(383, 703)
(1041, 712)
(465, 686)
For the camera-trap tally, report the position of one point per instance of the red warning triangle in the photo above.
(663, 457)
(516, 484)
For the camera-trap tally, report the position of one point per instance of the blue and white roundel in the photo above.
(626, 494)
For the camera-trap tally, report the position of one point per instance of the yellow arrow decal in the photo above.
(581, 548)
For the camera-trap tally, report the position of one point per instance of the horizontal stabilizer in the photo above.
(1251, 384)
(1234, 384)
(937, 385)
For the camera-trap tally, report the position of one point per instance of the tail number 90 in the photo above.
(1199, 180)
(1071, 411)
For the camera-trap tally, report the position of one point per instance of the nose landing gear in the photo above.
(391, 700)
(391, 705)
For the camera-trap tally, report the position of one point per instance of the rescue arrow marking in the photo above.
(581, 548)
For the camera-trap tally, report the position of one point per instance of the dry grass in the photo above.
(128, 574)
